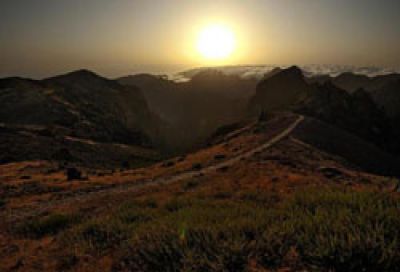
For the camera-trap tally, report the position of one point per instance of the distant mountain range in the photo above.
(194, 109)
(218, 172)
(258, 71)
(166, 116)
(356, 111)
(79, 107)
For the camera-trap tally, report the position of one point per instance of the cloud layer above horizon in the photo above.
(258, 71)
(40, 38)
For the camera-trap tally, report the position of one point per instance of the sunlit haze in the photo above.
(39, 38)
(216, 42)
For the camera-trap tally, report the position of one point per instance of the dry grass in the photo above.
(248, 216)
(323, 230)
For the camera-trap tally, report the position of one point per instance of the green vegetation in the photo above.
(99, 235)
(167, 164)
(312, 230)
(191, 184)
(340, 231)
(49, 225)
(197, 166)
(220, 157)
(2, 203)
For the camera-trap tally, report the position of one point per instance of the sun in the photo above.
(216, 42)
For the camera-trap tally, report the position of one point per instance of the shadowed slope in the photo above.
(80, 105)
(357, 112)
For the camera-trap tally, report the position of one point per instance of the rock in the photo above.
(219, 157)
(197, 166)
(73, 174)
(168, 164)
(330, 172)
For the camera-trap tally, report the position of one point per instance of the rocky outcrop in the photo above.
(356, 112)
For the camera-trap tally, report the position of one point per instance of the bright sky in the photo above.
(39, 38)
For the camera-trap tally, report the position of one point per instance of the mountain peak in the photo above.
(15, 81)
(82, 73)
(82, 77)
(281, 90)
(293, 70)
(290, 76)
(291, 73)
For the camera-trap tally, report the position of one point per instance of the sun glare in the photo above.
(216, 42)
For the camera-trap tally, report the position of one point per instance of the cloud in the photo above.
(258, 71)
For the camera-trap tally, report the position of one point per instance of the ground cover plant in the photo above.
(317, 230)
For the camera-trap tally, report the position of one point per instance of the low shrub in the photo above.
(335, 231)
(132, 212)
(98, 235)
(191, 184)
(197, 166)
(73, 174)
(177, 204)
(219, 157)
(198, 250)
(49, 225)
(314, 230)
(125, 165)
(223, 195)
(168, 164)
(223, 169)
(150, 203)
(25, 177)
(269, 199)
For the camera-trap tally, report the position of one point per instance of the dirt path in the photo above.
(14, 215)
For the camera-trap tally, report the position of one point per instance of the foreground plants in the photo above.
(317, 230)
(320, 230)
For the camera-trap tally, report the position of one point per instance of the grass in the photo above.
(338, 231)
(99, 235)
(191, 184)
(318, 230)
(197, 166)
(49, 225)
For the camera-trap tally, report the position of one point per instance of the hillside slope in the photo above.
(131, 220)
(357, 113)
(81, 104)
(194, 109)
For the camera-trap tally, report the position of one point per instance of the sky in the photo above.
(40, 38)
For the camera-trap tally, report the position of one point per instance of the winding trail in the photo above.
(15, 215)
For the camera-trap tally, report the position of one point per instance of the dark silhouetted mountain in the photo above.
(147, 111)
(272, 73)
(388, 97)
(91, 106)
(80, 104)
(280, 91)
(353, 149)
(357, 112)
(216, 82)
(384, 90)
(319, 79)
(194, 109)
(352, 82)
(162, 94)
(81, 78)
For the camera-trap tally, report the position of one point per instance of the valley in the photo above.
(259, 176)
